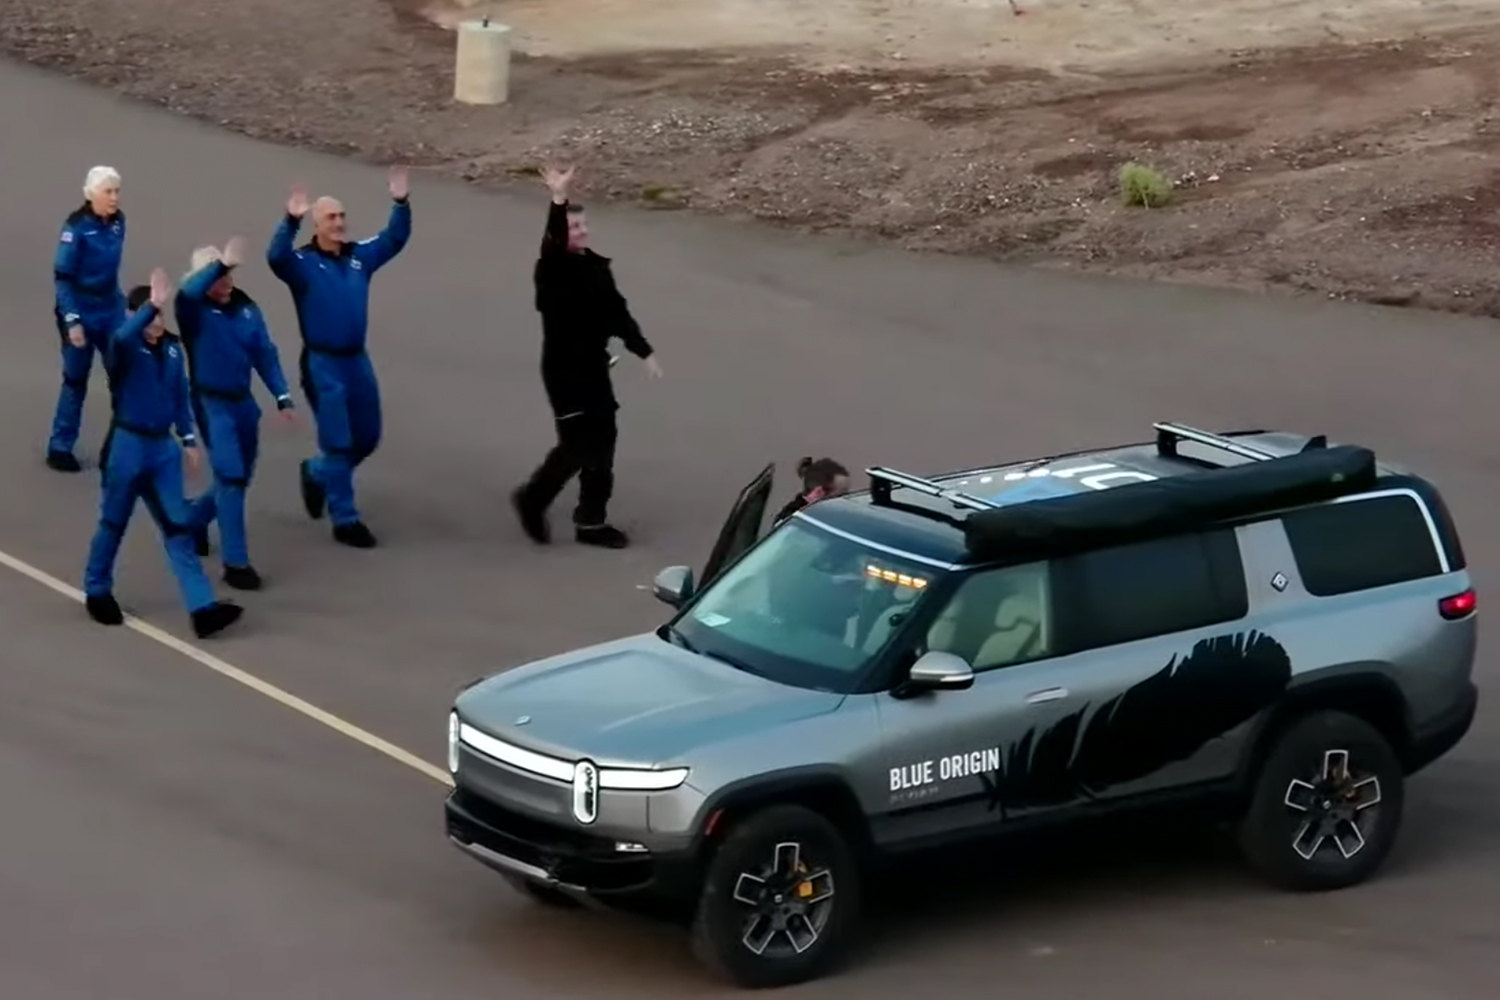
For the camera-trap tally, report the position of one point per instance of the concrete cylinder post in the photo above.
(481, 72)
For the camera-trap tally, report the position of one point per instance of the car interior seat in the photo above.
(1019, 631)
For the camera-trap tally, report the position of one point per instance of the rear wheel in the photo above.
(1326, 806)
(780, 899)
(543, 893)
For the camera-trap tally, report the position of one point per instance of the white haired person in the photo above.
(90, 304)
(227, 343)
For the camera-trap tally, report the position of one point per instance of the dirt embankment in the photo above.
(1348, 168)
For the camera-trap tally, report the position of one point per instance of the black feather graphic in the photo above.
(1164, 719)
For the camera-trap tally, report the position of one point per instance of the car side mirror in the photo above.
(673, 586)
(936, 671)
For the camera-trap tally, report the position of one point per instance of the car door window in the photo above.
(1344, 547)
(742, 528)
(1131, 592)
(997, 618)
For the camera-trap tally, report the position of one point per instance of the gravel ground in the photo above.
(1350, 170)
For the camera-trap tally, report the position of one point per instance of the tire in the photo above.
(1344, 845)
(761, 949)
(543, 894)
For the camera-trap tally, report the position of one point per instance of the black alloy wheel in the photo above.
(1327, 804)
(779, 901)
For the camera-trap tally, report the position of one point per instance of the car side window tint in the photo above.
(1344, 547)
(996, 618)
(1146, 589)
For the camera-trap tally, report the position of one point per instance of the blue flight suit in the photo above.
(225, 345)
(331, 292)
(86, 283)
(140, 459)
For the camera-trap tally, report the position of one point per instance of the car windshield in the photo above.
(806, 607)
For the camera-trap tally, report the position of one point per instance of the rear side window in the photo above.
(1148, 589)
(1344, 547)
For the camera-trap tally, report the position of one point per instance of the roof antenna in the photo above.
(1315, 442)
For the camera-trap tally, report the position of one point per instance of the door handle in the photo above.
(1050, 694)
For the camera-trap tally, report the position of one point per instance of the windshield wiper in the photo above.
(674, 635)
(676, 638)
(736, 664)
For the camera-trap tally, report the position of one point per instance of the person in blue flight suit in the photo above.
(89, 304)
(148, 390)
(329, 279)
(227, 341)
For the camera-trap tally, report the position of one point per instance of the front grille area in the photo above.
(533, 831)
(570, 855)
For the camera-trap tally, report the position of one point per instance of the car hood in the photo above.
(637, 702)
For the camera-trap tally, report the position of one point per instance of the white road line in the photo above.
(218, 666)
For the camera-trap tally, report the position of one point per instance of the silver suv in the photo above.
(1254, 619)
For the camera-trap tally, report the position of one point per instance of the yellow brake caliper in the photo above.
(804, 887)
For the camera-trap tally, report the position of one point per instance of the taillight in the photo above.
(1459, 605)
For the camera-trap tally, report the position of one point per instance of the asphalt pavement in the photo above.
(169, 833)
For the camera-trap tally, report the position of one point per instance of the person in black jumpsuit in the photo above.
(821, 479)
(581, 311)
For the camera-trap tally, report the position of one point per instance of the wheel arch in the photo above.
(1367, 695)
(823, 790)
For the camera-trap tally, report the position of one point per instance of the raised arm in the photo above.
(133, 330)
(65, 272)
(555, 236)
(196, 285)
(281, 255)
(187, 304)
(380, 249)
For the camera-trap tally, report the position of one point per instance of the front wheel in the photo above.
(780, 899)
(1326, 805)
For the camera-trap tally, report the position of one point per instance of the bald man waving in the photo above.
(329, 279)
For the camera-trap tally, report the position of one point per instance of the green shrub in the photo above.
(1142, 187)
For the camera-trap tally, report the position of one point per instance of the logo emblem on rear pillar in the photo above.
(585, 792)
(1279, 581)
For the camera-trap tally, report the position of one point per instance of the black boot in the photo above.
(533, 521)
(605, 536)
(215, 618)
(242, 577)
(63, 461)
(105, 610)
(354, 535)
(313, 496)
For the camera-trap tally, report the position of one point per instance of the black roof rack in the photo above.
(883, 481)
(1315, 442)
(1169, 434)
(1174, 504)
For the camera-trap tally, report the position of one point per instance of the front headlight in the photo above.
(630, 780)
(453, 742)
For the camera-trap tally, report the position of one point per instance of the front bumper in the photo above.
(557, 856)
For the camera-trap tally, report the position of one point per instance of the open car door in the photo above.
(742, 529)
